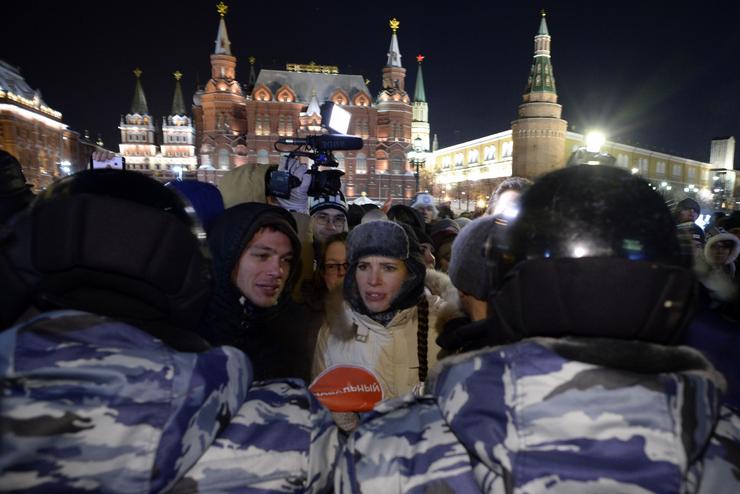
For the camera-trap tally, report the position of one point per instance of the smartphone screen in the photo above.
(116, 162)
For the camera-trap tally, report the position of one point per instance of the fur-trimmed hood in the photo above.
(718, 238)
(443, 297)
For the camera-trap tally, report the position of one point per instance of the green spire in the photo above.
(541, 77)
(178, 103)
(543, 25)
(139, 104)
(419, 94)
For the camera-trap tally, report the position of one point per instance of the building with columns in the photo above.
(538, 142)
(238, 125)
(164, 156)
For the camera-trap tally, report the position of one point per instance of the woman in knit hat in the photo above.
(377, 342)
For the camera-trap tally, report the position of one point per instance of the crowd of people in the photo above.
(579, 336)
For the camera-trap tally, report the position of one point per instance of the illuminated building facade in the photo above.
(238, 126)
(34, 133)
(175, 156)
(538, 142)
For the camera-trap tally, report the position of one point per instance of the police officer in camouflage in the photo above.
(583, 387)
(105, 385)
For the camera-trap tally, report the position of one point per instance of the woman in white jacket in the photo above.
(377, 343)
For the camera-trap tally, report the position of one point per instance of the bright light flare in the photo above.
(594, 141)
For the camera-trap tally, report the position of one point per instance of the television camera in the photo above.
(319, 148)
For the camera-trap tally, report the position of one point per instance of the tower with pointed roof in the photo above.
(220, 109)
(420, 109)
(137, 131)
(394, 174)
(178, 134)
(539, 133)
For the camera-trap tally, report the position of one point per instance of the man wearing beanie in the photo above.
(687, 210)
(468, 270)
(328, 216)
(424, 203)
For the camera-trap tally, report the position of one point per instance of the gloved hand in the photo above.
(298, 200)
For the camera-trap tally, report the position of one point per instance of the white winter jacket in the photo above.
(387, 354)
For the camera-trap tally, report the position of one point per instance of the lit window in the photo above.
(642, 165)
(473, 156)
(340, 160)
(507, 149)
(660, 168)
(459, 159)
(676, 170)
(446, 162)
(490, 153)
(223, 159)
(397, 163)
(361, 164)
(691, 173)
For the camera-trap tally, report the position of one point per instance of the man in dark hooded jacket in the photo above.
(256, 261)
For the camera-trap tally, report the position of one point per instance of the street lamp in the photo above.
(417, 158)
(591, 153)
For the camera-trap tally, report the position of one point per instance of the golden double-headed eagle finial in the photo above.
(222, 8)
(543, 13)
(137, 72)
(177, 74)
(251, 60)
(394, 24)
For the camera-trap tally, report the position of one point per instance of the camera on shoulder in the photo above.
(319, 148)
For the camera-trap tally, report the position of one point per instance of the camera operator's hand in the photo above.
(387, 204)
(298, 200)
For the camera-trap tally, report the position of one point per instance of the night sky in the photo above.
(661, 75)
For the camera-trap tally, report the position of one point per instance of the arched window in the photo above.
(459, 159)
(223, 159)
(397, 163)
(263, 157)
(472, 156)
(340, 160)
(361, 164)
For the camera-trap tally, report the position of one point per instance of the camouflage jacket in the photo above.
(545, 415)
(92, 404)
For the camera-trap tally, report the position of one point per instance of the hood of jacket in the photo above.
(244, 184)
(228, 239)
(438, 287)
(566, 413)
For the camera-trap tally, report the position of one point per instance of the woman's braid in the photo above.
(421, 336)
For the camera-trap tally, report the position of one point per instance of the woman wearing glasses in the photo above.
(378, 341)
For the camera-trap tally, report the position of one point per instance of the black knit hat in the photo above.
(688, 203)
(377, 238)
(387, 239)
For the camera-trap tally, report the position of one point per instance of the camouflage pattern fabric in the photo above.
(524, 419)
(281, 440)
(92, 404)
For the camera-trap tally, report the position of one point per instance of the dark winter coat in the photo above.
(279, 340)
